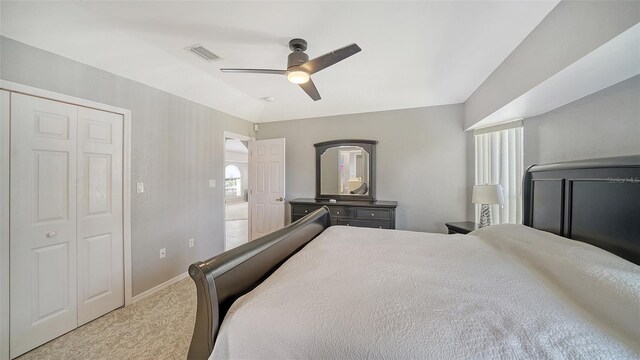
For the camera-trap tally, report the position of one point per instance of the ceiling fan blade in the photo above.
(328, 59)
(254, 71)
(310, 88)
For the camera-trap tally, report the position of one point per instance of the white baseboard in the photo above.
(159, 287)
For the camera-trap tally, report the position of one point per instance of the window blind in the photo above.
(499, 160)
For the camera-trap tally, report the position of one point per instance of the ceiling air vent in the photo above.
(203, 52)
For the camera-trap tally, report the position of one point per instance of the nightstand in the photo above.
(463, 227)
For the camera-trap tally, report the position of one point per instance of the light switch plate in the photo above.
(163, 253)
(212, 183)
(140, 187)
(191, 243)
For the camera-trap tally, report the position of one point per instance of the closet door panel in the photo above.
(43, 296)
(100, 232)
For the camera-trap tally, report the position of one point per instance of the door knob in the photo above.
(279, 199)
(51, 234)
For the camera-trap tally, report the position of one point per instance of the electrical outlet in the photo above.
(212, 183)
(163, 253)
(191, 242)
(140, 187)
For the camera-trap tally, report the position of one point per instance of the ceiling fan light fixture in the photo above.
(300, 68)
(298, 77)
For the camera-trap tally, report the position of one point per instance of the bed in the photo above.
(562, 285)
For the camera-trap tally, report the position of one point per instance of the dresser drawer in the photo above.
(303, 209)
(341, 212)
(364, 223)
(373, 214)
(376, 214)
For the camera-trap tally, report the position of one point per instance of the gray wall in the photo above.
(603, 124)
(570, 31)
(420, 159)
(177, 146)
(470, 151)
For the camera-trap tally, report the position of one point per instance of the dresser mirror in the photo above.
(345, 170)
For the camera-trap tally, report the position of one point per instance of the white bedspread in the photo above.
(507, 292)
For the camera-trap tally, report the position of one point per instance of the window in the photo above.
(499, 161)
(232, 181)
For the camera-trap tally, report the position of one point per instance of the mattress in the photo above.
(506, 291)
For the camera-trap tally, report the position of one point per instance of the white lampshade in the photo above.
(487, 194)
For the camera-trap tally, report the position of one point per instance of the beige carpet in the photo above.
(237, 211)
(157, 327)
(237, 233)
(236, 227)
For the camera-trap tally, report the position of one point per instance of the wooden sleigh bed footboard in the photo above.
(225, 277)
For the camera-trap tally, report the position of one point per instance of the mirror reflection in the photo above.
(344, 171)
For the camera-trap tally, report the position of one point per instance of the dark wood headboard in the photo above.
(595, 201)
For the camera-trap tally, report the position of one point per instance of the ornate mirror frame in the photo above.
(369, 146)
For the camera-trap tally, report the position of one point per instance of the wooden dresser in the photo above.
(377, 214)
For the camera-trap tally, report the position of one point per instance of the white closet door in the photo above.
(43, 275)
(100, 238)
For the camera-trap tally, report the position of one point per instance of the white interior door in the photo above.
(99, 204)
(267, 183)
(43, 277)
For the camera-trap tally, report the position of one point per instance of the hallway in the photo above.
(237, 232)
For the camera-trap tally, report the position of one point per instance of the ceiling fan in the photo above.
(300, 68)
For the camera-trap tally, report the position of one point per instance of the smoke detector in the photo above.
(203, 52)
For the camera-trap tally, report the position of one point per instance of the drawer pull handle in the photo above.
(51, 234)
(373, 214)
(306, 211)
(338, 212)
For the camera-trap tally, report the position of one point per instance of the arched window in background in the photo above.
(232, 181)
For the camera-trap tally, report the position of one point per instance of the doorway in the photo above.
(236, 190)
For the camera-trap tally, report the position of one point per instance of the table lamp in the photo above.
(486, 195)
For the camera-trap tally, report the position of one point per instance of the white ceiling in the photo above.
(235, 146)
(414, 53)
